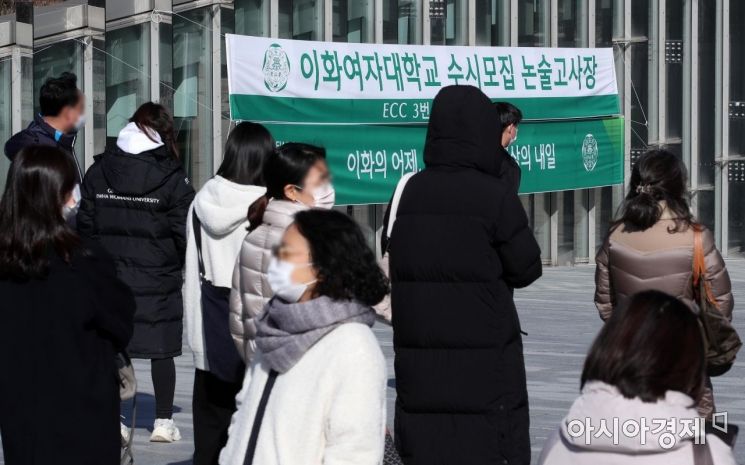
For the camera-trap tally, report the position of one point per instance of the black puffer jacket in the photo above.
(460, 242)
(136, 206)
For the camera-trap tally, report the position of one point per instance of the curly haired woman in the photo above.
(315, 391)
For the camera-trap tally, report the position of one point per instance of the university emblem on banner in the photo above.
(276, 68)
(590, 152)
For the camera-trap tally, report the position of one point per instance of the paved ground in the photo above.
(558, 314)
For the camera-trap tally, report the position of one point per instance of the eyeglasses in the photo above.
(283, 252)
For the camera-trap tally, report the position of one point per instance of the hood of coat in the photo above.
(463, 131)
(133, 140)
(137, 174)
(600, 402)
(222, 205)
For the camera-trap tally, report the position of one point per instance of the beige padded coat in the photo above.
(657, 259)
(250, 289)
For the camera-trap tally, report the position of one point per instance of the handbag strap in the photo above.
(702, 454)
(253, 439)
(197, 226)
(699, 267)
(396, 200)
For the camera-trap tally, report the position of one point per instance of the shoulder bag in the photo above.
(721, 339)
(223, 359)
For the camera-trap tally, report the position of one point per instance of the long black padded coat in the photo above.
(460, 242)
(136, 206)
(59, 391)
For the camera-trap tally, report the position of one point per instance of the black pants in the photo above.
(213, 404)
(163, 372)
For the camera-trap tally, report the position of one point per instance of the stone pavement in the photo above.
(561, 321)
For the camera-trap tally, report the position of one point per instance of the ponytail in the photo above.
(256, 211)
(641, 211)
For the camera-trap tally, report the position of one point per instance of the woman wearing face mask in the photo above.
(315, 391)
(296, 178)
(64, 316)
(135, 200)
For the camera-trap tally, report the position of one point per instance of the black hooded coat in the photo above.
(460, 241)
(136, 206)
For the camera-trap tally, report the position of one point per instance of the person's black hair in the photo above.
(651, 346)
(57, 93)
(157, 118)
(248, 145)
(31, 222)
(658, 176)
(345, 265)
(508, 114)
(289, 164)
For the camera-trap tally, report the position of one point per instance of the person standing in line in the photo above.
(459, 244)
(62, 114)
(220, 210)
(509, 118)
(646, 365)
(314, 393)
(297, 178)
(65, 315)
(135, 201)
(651, 246)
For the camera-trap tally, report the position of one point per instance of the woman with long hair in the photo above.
(651, 245)
(297, 178)
(215, 228)
(135, 201)
(65, 315)
(640, 385)
(315, 390)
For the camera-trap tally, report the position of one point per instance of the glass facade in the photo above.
(192, 99)
(679, 65)
(127, 68)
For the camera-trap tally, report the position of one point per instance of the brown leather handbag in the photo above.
(721, 338)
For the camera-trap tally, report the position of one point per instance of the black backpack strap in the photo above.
(252, 441)
(197, 226)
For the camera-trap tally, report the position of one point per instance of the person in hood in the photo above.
(64, 316)
(509, 118)
(460, 242)
(219, 210)
(644, 372)
(135, 201)
(318, 370)
(62, 114)
(297, 178)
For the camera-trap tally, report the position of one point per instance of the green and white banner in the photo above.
(368, 104)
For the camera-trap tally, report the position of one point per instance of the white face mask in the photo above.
(324, 196)
(80, 122)
(279, 275)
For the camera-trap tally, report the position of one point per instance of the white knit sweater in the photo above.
(222, 206)
(327, 409)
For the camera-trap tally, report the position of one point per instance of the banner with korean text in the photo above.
(369, 104)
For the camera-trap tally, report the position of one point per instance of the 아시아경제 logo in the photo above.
(590, 152)
(276, 68)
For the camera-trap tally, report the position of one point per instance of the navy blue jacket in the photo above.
(39, 132)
